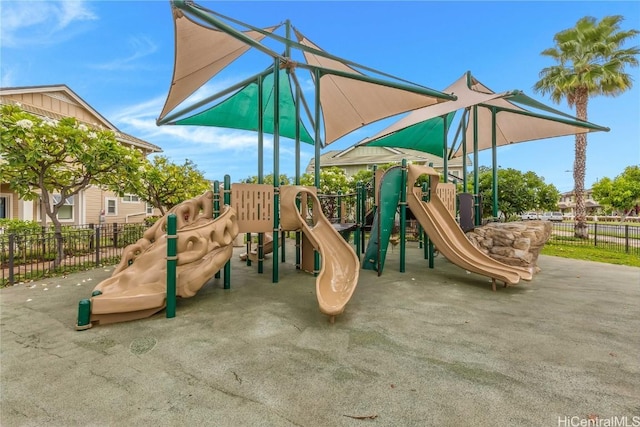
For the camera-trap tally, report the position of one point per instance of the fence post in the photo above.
(595, 234)
(12, 242)
(97, 246)
(115, 234)
(43, 232)
(93, 236)
(626, 238)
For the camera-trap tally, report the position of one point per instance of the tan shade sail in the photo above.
(200, 53)
(467, 96)
(349, 103)
(514, 123)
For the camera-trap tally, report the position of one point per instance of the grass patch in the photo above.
(590, 253)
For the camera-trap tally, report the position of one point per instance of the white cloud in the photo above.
(7, 77)
(216, 151)
(29, 23)
(139, 47)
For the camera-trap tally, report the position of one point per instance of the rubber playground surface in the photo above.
(424, 347)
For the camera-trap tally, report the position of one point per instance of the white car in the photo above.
(552, 216)
(530, 216)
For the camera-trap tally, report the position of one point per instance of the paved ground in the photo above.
(425, 347)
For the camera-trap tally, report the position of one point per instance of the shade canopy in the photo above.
(349, 102)
(240, 110)
(515, 123)
(348, 98)
(424, 129)
(201, 52)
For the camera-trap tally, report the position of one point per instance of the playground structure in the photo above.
(444, 231)
(205, 232)
(137, 287)
(271, 102)
(434, 207)
(338, 277)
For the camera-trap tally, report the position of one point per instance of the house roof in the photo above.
(64, 93)
(351, 157)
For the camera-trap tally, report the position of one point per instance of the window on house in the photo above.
(65, 213)
(112, 206)
(130, 198)
(149, 209)
(4, 207)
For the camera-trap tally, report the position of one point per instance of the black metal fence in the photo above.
(30, 255)
(615, 237)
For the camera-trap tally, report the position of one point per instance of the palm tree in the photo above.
(591, 61)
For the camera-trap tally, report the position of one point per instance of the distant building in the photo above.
(567, 203)
(362, 157)
(92, 205)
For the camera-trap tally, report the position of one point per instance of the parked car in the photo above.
(530, 216)
(552, 216)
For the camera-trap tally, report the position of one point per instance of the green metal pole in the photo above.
(276, 166)
(216, 212)
(424, 233)
(172, 264)
(464, 150)
(403, 216)
(260, 170)
(445, 161)
(356, 234)
(476, 181)
(429, 242)
(84, 314)
(316, 160)
(297, 166)
(283, 240)
(494, 160)
(227, 201)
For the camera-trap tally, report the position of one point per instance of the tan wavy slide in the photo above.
(340, 267)
(137, 286)
(449, 238)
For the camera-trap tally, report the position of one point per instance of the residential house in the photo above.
(93, 205)
(361, 157)
(567, 203)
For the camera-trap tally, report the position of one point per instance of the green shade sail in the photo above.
(240, 111)
(426, 136)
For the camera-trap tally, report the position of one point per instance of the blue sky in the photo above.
(118, 56)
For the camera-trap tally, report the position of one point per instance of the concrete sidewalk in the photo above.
(425, 347)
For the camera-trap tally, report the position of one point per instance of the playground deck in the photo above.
(424, 347)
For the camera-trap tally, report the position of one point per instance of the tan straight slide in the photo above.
(338, 276)
(449, 238)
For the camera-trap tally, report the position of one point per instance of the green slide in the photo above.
(384, 219)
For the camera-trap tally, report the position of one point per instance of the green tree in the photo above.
(622, 193)
(164, 184)
(268, 179)
(55, 160)
(332, 180)
(517, 192)
(591, 60)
